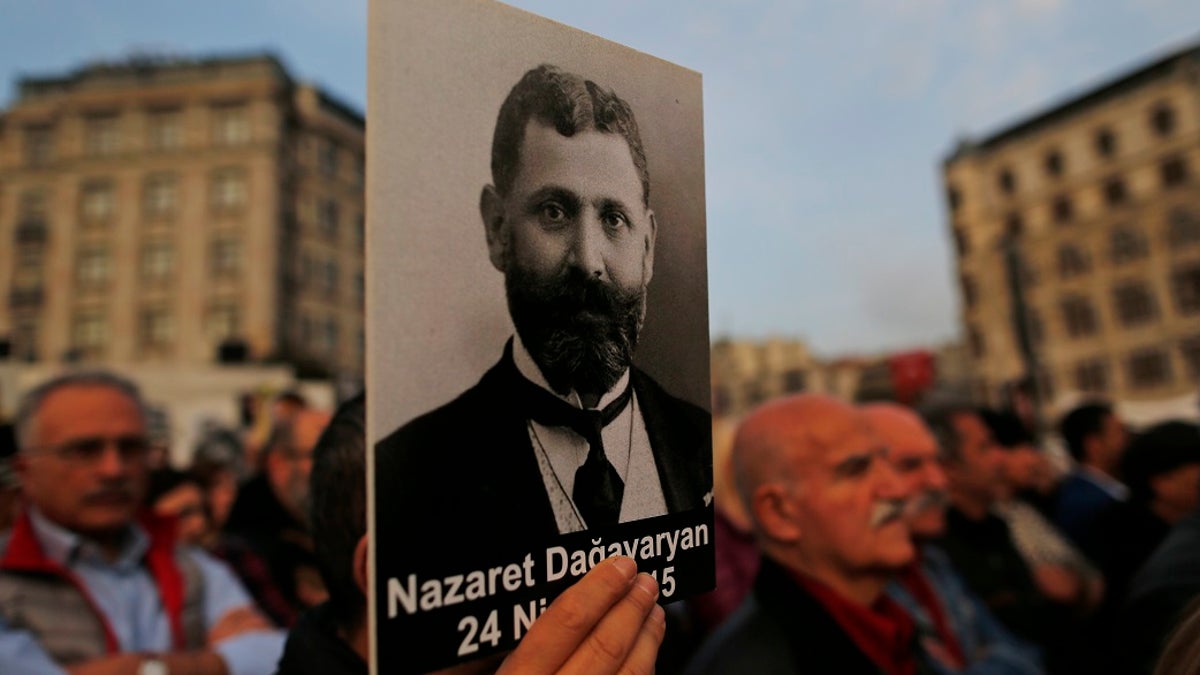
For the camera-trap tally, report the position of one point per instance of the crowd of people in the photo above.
(850, 539)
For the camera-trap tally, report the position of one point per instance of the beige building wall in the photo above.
(1100, 196)
(167, 218)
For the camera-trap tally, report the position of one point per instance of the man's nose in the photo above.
(890, 484)
(112, 462)
(587, 251)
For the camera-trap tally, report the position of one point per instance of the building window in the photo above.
(1091, 376)
(1072, 262)
(1149, 368)
(968, 291)
(1054, 163)
(161, 195)
(975, 338)
(228, 190)
(1079, 317)
(327, 157)
(1106, 143)
(359, 169)
(1062, 209)
(961, 243)
(39, 145)
(226, 257)
(1127, 244)
(1173, 171)
(1162, 120)
(101, 135)
(231, 124)
(93, 269)
(25, 340)
(96, 202)
(1033, 324)
(1115, 192)
(328, 223)
(329, 278)
(158, 261)
(1183, 228)
(1007, 181)
(1189, 348)
(953, 198)
(224, 321)
(329, 336)
(29, 258)
(1185, 282)
(360, 232)
(1135, 304)
(156, 328)
(164, 130)
(1014, 225)
(89, 333)
(360, 289)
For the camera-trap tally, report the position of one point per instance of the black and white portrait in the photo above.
(538, 349)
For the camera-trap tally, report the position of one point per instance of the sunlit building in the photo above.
(184, 211)
(1077, 241)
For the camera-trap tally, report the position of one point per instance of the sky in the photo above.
(825, 121)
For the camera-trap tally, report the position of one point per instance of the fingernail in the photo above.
(647, 584)
(658, 614)
(625, 565)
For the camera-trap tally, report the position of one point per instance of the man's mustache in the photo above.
(119, 492)
(928, 499)
(886, 511)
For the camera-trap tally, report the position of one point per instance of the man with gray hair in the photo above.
(89, 583)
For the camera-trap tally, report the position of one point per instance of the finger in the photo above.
(645, 651)
(568, 621)
(608, 645)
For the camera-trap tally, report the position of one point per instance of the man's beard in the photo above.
(580, 331)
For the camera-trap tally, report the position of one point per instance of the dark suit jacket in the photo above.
(464, 477)
(1081, 503)
(781, 630)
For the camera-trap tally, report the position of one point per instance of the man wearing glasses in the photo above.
(91, 585)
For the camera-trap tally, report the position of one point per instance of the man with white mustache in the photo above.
(827, 512)
(958, 633)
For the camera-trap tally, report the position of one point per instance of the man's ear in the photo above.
(775, 513)
(491, 209)
(648, 259)
(360, 564)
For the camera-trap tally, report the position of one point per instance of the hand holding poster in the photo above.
(529, 424)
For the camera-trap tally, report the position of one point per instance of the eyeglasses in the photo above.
(89, 450)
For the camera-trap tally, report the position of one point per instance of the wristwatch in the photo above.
(153, 666)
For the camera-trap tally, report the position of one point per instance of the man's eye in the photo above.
(553, 213)
(614, 220)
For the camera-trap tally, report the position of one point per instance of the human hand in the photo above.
(1058, 583)
(606, 623)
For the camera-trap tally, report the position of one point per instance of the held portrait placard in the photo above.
(537, 324)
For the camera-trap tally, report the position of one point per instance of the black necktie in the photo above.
(598, 488)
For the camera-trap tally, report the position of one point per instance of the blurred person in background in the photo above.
(1096, 439)
(271, 511)
(958, 633)
(90, 583)
(606, 623)
(1034, 603)
(181, 496)
(827, 510)
(1026, 471)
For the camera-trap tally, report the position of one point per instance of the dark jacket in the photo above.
(780, 630)
(314, 648)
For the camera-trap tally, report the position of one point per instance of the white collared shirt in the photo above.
(560, 452)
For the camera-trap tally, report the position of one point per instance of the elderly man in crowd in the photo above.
(827, 512)
(959, 634)
(90, 586)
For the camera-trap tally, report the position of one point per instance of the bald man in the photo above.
(826, 508)
(958, 633)
(271, 511)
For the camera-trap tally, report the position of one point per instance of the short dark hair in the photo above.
(1007, 429)
(570, 104)
(940, 420)
(1083, 421)
(1162, 448)
(338, 507)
